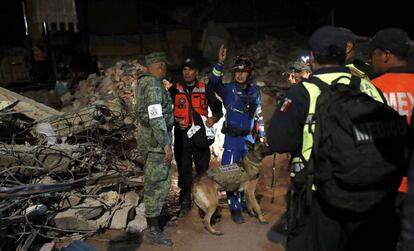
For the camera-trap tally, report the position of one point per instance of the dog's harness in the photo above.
(229, 177)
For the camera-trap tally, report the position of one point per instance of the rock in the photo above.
(47, 246)
(132, 198)
(70, 220)
(70, 201)
(120, 218)
(110, 198)
(137, 225)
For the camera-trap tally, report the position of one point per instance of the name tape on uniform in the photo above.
(154, 111)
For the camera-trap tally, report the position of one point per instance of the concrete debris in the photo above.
(137, 225)
(29, 107)
(47, 246)
(60, 172)
(117, 82)
(120, 218)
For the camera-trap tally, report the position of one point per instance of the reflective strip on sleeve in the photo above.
(154, 111)
(217, 73)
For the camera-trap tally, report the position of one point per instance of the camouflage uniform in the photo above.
(154, 134)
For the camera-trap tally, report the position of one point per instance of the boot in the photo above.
(237, 217)
(185, 209)
(185, 205)
(154, 235)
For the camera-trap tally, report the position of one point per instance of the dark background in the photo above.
(246, 20)
(105, 17)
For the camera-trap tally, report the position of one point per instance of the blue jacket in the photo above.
(243, 106)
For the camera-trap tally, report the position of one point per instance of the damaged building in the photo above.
(69, 165)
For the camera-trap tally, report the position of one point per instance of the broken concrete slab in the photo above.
(137, 225)
(27, 106)
(120, 218)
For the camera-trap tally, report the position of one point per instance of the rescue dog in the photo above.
(205, 190)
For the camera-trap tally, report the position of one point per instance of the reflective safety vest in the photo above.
(357, 72)
(300, 159)
(182, 110)
(398, 89)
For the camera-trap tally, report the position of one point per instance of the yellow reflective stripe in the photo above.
(314, 92)
(217, 73)
(369, 88)
(357, 72)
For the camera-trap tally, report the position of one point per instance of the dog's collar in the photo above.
(255, 164)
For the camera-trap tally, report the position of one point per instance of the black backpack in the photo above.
(358, 155)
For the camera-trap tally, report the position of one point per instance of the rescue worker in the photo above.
(406, 242)
(302, 70)
(185, 150)
(312, 226)
(356, 65)
(290, 75)
(243, 115)
(154, 113)
(390, 48)
(297, 71)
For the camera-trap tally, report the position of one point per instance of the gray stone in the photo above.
(120, 218)
(137, 225)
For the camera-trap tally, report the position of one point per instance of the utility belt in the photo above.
(234, 132)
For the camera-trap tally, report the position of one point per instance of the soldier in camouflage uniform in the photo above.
(155, 116)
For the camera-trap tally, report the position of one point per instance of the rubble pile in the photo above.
(117, 82)
(69, 175)
(74, 172)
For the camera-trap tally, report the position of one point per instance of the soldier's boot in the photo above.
(154, 235)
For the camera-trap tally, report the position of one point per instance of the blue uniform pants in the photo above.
(235, 149)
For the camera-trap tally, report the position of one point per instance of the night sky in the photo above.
(364, 21)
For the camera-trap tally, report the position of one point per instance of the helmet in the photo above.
(243, 64)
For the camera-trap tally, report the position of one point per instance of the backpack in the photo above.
(358, 155)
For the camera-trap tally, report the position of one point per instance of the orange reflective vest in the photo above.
(182, 110)
(398, 89)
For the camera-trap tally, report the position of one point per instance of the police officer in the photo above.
(353, 59)
(154, 113)
(243, 115)
(310, 226)
(185, 149)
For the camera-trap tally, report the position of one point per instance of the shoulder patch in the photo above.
(284, 107)
(154, 111)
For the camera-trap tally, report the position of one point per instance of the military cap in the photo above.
(393, 39)
(296, 66)
(329, 40)
(156, 57)
(300, 66)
